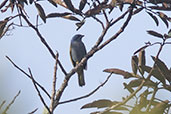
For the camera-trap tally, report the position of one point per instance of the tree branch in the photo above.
(54, 85)
(6, 109)
(28, 76)
(44, 42)
(39, 94)
(89, 94)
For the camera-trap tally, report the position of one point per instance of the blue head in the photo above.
(77, 37)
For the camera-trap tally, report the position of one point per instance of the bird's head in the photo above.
(77, 37)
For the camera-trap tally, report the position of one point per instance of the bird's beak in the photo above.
(82, 36)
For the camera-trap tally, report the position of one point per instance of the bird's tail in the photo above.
(81, 80)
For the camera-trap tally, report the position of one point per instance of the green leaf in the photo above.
(163, 68)
(159, 108)
(41, 12)
(154, 33)
(154, 18)
(128, 88)
(99, 104)
(156, 73)
(137, 82)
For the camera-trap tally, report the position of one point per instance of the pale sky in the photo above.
(25, 49)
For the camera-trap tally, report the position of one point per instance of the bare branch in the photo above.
(2, 104)
(12, 102)
(89, 94)
(39, 94)
(54, 85)
(119, 18)
(21, 70)
(44, 42)
(120, 31)
(98, 20)
(32, 112)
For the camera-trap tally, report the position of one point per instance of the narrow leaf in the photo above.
(53, 3)
(138, 10)
(94, 11)
(2, 27)
(137, 82)
(134, 63)
(98, 104)
(31, 1)
(128, 88)
(41, 12)
(3, 3)
(141, 60)
(164, 18)
(70, 17)
(156, 73)
(154, 33)
(53, 15)
(61, 3)
(163, 68)
(154, 18)
(159, 108)
(125, 74)
(69, 5)
(82, 4)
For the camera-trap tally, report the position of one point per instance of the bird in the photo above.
(77, 52)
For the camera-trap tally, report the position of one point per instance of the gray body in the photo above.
(77, 52)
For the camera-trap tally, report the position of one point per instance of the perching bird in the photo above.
(77, 52)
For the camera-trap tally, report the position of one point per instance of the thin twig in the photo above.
(2, 104)
(119, 18)
(44, 42)
(21, 70)
(32, 112)
(89, 94)
(106, 17)
(12, 102)
(98, 20)
(54, 85)
(38, 92)
(120, 31)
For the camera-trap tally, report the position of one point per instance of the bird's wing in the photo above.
(84, 53)
(74, 64)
